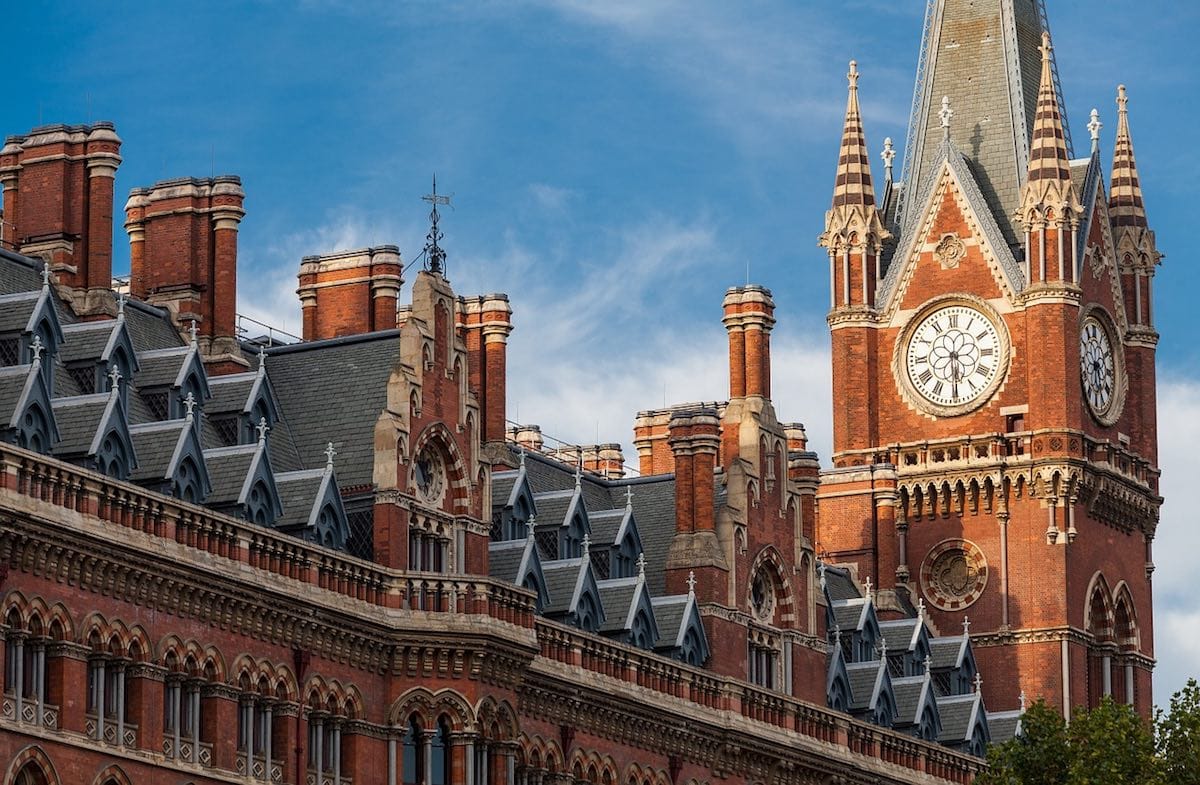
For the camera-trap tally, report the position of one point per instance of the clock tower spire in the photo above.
(993, 366)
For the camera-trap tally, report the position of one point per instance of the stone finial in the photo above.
(1094, 125)
(821, 573)
(928, 666)
(587, 544)
(114, 376)
(852, 76)
(262, 358)
(121, 298)
(837, 634)
(45, 275)
(867, 591)
(262, 429)
(531, 529)
(1021, 701)
(192, 331)
(37, 347)
(946, 114)
(691, 583)
(920, 609)
(521, 459)
(882, 648)
(189, 405)
(641, 565)
(966, 624)
(889, 156)
(329, 453)
(629, 497)
(978, 682)
(579, 471)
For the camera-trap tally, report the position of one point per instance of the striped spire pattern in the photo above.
(853, 185)
(1125, 204)
(1048, 159)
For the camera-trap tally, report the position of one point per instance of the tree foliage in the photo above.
(1108, 745)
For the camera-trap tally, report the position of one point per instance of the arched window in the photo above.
(588, 618)
(111, 459)
(258, 504)
(414, 753)
(34, 431)
(692, 649)
(31, 774)
(182, 710)
(439, 750)
(187, 481)
(25, 674)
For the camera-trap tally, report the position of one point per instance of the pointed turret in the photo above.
(1050, 208)
(1137, 253)
(854, 230)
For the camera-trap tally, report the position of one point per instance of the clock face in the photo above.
(953, 356)
(1097, 365)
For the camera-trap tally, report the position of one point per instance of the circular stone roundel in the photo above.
(953, 574)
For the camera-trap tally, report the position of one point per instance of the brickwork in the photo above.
(349, 292)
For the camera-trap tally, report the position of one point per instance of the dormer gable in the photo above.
(95, 433)
(952, 663)
(964, 723)
(916, 707)
(26, 408)
(240, 402)
(616, 542)
(513, 504)
(629, 614)
(29, 325)
(681, 631)
(312, 507)
(168, 376)
(837, 682)
(563, 523)
(171, 460)
(92, 349)
(243, 483)
(907, 645)
(858, 626)
(872, 697)
(518, 562)
(574, 594)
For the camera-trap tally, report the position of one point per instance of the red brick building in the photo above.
(334, 561)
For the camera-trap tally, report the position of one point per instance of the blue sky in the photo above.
(615, 166)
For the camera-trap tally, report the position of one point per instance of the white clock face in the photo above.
(1097, 366)
(953, 356)
(429, 476)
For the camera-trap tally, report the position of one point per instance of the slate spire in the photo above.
(1125, 204)
(1048, 158)
(1137, 252)
(853, 184)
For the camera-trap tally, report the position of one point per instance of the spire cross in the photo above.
(691, 583)
(436, 255)
(114, 376)
(946, 114)
(329, 453)
(262, 357)
(966, 626)
(867, 586)
(45, 275)
(1094, 125)
(1045, 48)
(189, 404)
(36, 348)
(641, 565)
(888, 155)
(262, 429)
(629, 497)
(1122, 100)
(121, 305)
(978, 681)
(192, 331)
(921, 608)
(587, 544)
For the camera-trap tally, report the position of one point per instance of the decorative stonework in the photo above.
(953, 574)
(950, 251)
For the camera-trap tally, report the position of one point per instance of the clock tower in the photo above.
(995, 446)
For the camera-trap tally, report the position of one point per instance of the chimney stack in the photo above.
(749, 317)
(58, 205)
(350, 292)
(529, 437)
(485, 322)
(183, 257)
(695, 438)
(650, 436)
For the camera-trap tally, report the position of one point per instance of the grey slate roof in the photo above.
(298, 493)
(670, 613)
(16, 310)
(78, 420)
(969, 61)
(840, 585)
(149, 327)
(850, 614)
(562, 579)
(160, 367)
(947, 653)
(617, 596)
(14, 381)
(230, 393)
(21, 273)
(503, 484)
(504, 559)
(227, 470)
(155, 445)
(1003, 725)
(334, 391)
(86, 340)
(956, 712)
(863, 677)
(900, 634)
(908, 691)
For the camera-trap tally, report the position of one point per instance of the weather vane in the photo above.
(435, 257)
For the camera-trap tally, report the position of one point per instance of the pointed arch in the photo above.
(31, 766)
(1125, 630)
(111, 775)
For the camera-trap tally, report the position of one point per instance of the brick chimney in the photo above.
(694, 436)
(485, 322)
(650, 436)
(605, 460)
(183, 257)
(749, 317)
(350, 292)
(58, 205)
(528, 436)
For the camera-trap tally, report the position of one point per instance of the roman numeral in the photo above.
(937, 388)
(925, 376)
(985, 352)
(982, 335)
(954, 320)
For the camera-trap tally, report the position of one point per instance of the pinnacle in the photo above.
(1127, 208)
(1048, 159)
(853, 185)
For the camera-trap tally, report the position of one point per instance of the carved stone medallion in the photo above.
(953, 574)
(950, 251)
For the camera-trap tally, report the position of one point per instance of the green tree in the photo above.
(1110, 745)
(1177, 737)
(1039, 756)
